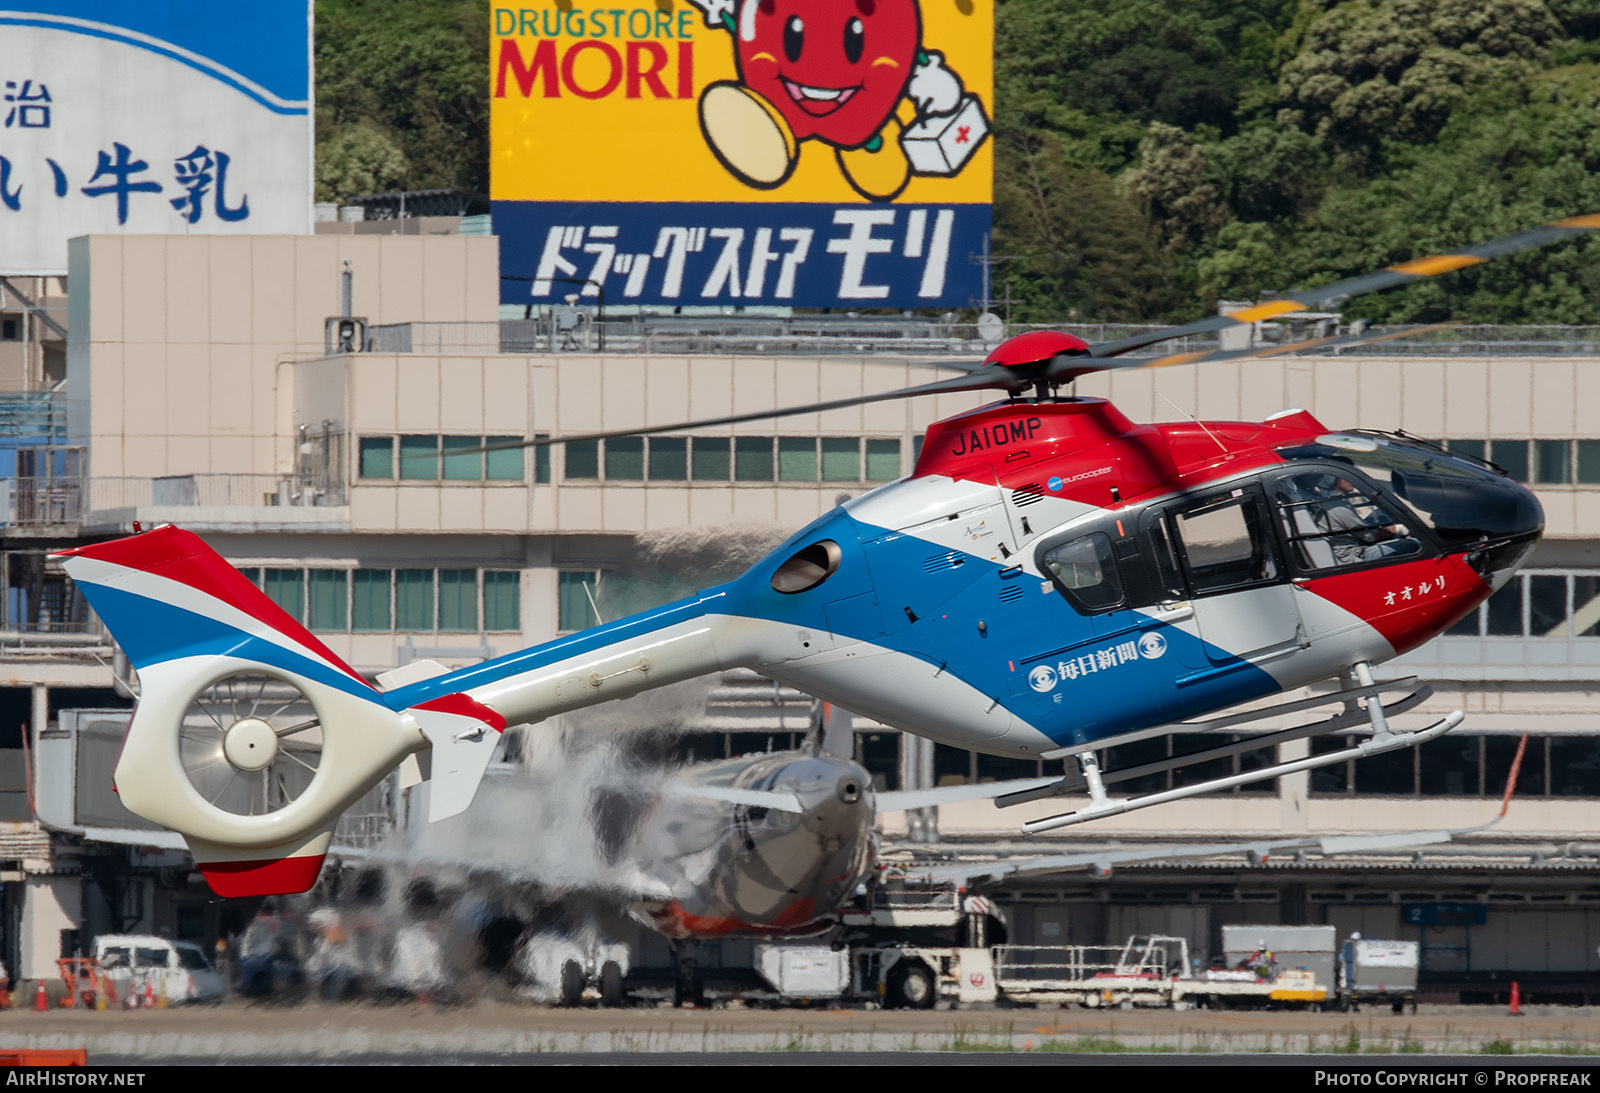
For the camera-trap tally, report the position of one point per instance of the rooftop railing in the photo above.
(578, 330)
(211, 491)
(41, 501)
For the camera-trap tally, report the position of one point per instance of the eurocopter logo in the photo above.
(1044, 677)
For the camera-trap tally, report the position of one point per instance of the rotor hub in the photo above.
(250, 744)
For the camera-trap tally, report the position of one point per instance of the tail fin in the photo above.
(250, 736)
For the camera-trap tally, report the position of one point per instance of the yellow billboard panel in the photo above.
(775, 101)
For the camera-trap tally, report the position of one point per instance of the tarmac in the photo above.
(331, 1032)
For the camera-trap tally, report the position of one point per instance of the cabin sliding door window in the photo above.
(1225, 544)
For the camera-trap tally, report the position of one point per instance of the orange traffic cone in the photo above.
(1516, 1000)
(41, 1004)
(149, 995)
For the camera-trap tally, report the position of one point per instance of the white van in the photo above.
(132, 960)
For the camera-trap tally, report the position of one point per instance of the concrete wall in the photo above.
(175, 366)
(52, 904)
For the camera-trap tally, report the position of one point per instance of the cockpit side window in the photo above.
(1330, 521)
(1085, 571)
(1225, 543)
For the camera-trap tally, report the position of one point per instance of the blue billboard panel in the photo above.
(732, 253)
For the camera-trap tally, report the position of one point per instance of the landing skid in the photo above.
(1362, 705)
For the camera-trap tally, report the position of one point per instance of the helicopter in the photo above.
(1050, 580)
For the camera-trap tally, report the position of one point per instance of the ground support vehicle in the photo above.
(140, 965)
(1147, 970)
(920, 976)
(567, 971)
(1373, 971)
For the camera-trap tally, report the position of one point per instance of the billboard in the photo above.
(808, 153)
(164, 116)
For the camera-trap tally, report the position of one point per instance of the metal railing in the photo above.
(212, 491)
(821, 335)
(33, 416)
(553, 331)
(38, 501)
(1062, 965)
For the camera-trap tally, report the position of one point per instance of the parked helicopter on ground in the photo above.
(1051, 579)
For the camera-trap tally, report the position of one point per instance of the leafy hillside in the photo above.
(1157, 155)
(1154, 156)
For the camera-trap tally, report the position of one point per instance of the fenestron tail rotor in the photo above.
(250, 743)
(1043, 359)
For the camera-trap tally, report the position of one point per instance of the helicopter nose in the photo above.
(1516, 522)
(1475, 508)
(1497, 562)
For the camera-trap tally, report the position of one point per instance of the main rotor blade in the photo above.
(1404, 273)
(993, 378)
(1346, 341)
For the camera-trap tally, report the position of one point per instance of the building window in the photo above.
(883, 460)
(413, 599)
(797, 459)
(745, 459)
(712, 461)
(574, 590)
(1588, 461)
(669, 458)
(625, 459)
(377, 457)
(446, 458)
(1552, 462)
(287, 589)
(463, 462)
(388, 601)
(752, 459)
(330, 604)
(1463, 766)
(1540, 462)
(370, 592)
(1538, 604)
(502, 600)
(510, 464)
(541, 461)
(419, 457)
(458, 600)
(583, 459)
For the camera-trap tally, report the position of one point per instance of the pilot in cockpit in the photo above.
(1330, 515)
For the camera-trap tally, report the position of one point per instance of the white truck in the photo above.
(178, 971)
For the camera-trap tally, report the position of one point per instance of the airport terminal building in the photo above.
(315, 407)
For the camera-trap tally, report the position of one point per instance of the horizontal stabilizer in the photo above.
(464, 735)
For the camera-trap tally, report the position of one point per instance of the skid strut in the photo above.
(1361, 704)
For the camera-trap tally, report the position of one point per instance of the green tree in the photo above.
(359, 158)
(1393, 70)
(412, 74)
(1170, 180)
(1082, 248)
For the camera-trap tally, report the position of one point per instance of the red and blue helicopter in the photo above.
(1050, 580)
